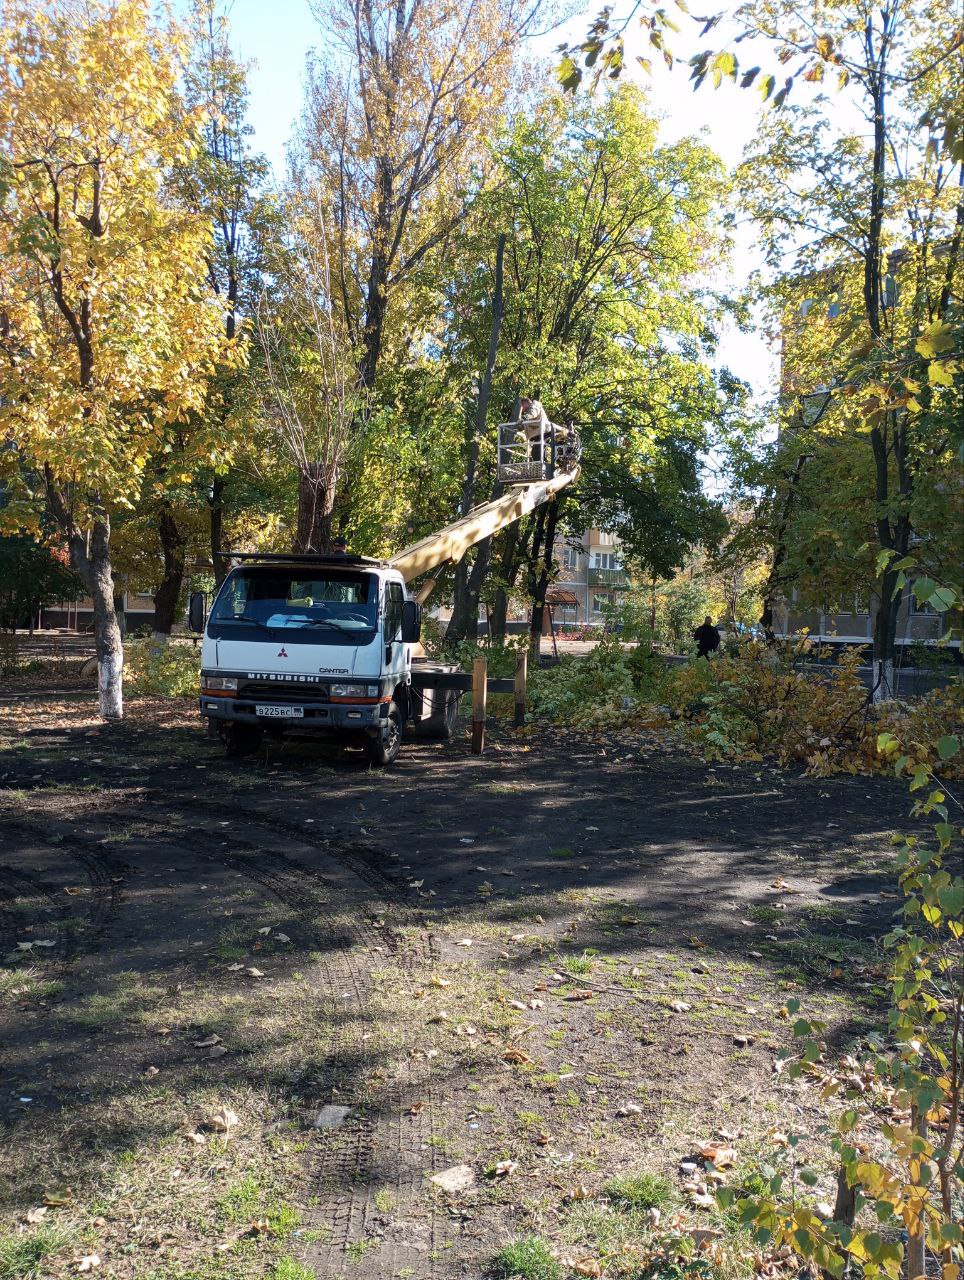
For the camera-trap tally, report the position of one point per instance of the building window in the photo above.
(600, 603)
(604, 560)
(570, 558)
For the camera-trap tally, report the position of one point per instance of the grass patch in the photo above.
(763, 914)
(639, 1191)
(525, 1259)
(576, 965)
(563, 851)
(21, 1255)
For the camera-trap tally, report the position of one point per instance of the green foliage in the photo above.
(588, 690)
(31, 576)
(171, 671)
(895, 1124)
(525, 1259)
(640, 1191)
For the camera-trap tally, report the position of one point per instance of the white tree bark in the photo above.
(110, 685)
(884, 685)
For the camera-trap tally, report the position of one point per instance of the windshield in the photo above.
(324, 599)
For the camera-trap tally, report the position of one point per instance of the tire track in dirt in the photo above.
(379, 1148)
(17, 885)
(105, 873)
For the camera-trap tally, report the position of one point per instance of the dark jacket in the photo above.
(707, 639)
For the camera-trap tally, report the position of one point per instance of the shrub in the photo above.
(589, 690)
(525, 1259)
(761, 703)
(169, 672)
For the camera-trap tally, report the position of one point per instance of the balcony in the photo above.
(614, 579)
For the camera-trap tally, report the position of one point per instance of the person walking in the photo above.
(707, 639)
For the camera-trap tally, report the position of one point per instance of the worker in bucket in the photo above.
(538, 430)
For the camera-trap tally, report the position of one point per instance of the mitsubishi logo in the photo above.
(282, 652)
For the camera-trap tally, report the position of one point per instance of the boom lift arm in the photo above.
(452, 542)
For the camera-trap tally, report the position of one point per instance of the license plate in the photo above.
(286, 713)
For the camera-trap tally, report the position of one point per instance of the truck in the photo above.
(328, 644)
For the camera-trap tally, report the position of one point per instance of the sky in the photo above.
(275, 36)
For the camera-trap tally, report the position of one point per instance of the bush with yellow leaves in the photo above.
(765, 703)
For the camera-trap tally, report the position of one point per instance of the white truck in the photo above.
(329, 644)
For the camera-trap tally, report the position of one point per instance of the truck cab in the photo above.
(319, 645)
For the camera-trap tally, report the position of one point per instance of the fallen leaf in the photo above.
(504, 1168)
(36, 1215)
(465, 942)
(680, 1006)
(722, 1157)
(516, 1055)
(255, 973)
(281, 937)
(217, 1051)
(580, 995)
(223, 1121)
(587, 1267)
(151, 1072)
(517, 1004)
(536, 1003)
(416, 1108)
(441, 982)
(235, 968)
(88, 1262)
(198, 1139)
(206, 1044)
(579, 1193)
(630, 1109)
(266, 930)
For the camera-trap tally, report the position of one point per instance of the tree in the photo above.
(606, 232)
(225, 182)
(398, 110)
(875, 228)
(310, 370)
(107, 334)
(32, 576)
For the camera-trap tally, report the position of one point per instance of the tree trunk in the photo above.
(94, 569)
(216, 503)
(168, 593)
(316, 494)
(508, 572)
(464, 621)
(90, 560)
(542, 581)
(883, 686)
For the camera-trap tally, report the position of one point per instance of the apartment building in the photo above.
(590, 578)
(78, 615)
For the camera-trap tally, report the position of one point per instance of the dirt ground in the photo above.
(250, 1008)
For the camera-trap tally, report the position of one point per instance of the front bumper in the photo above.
(318, 717)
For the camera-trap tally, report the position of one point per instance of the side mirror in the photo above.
(411, 621)
(196, 612)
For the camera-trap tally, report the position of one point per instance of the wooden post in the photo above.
(521, 666)
(480, 670)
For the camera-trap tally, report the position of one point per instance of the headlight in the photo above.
(219, 682)
(354, 691)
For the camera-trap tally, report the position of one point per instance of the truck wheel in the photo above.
(382, 751)
(442, 726)
(240, 739)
